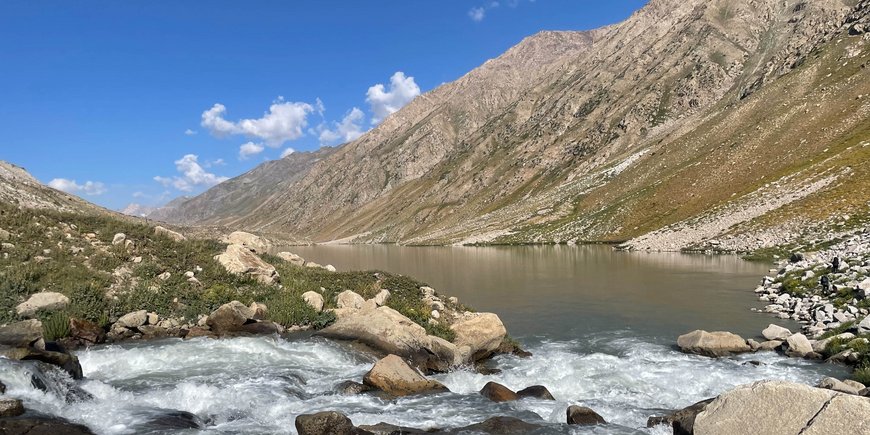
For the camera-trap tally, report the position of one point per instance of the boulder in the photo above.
(683, 421)
(798, 346)
(380, 299)
(478, 335)
(776, 332)
(864, 326)
(171, 422)
(712, 344)
(85, 332)
(119, 239)
(248, 240)
(535, 392)
(4, 235)
(166, 232)
(351, 388)
(259, 311)
(11, 408)
(583, 416)
(41, 425)
(498, 392)
(499, 426)
(239, 260)
(820, 345)
(349, 299)
(22, 334)
(133, 320)
(779, 407)
(386, 330)
(391, 429)
(229, 317)
(395, 377)
(292, 258)
(769, 345)
(42, 301)
(53, 354)
(313, 299)
(834, 384)
(325, 423)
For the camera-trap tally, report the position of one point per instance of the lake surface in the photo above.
(601, 326)
(564, 292)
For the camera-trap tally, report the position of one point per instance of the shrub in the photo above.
(54, 325)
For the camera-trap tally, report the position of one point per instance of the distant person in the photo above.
(835, 264)
(826, 284)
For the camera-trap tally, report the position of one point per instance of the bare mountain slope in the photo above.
(680, 118)
(18, 187)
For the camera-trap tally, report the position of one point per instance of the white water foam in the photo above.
(260, 385)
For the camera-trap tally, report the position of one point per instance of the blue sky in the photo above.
(143, 101)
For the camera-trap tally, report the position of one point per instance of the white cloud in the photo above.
(285, 121)
(477, 14)
(214, 163)
(287, 152)
(385, 102)
(192, 175)
(91, 188)
(350, 128)
(190, 132)
(250, 149)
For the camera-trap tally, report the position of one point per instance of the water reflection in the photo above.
(562, 292)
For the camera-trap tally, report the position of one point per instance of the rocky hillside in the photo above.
(19, 188)
(731, 125)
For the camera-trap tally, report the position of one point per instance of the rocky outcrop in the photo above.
(395, 377)
(388, 331)
(583, 416)
(784, 408)
(42, 301)
(478, 335)
(240, 260)
(254, 243)
(712, 344)
(166, 232)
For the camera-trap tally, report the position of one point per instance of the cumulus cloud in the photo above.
(191, 175)
(477, 14)
(384, 102)
(345, 131)
(287, 152)
(214, 163)
(285, 121)
(91, 188)
(250, 149)
(189, 132)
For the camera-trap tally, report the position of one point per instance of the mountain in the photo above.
(736, 124)
(19, 188)
(138, 210)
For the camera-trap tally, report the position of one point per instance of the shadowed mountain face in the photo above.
(692, 122)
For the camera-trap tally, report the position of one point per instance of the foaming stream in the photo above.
(259, 385)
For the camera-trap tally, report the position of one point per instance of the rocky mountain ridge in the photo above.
(691, 122)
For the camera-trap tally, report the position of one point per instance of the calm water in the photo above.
(563, 292)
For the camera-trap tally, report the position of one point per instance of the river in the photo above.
(601, 325)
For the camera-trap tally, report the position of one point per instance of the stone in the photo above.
(349, 299)
(11, 408)
(478, 335)
(391, 429)
(313, 299)
(428, 292)
(166, 232)
(292, 258)
(86, 332)
(239, 260)
(854, 384)
(260, 311)
(350, 388)
(42, 301)
(152, 319)
(583, 416)
(324, 423)
(248, 240)
(41, 425)
(838, 385)
(820, 345)
(395, 377)
(380, 299)
(23, 334)
(683, 421)
(164, 276)
(499, 426)
(535, 392)
(133, 320)
(386, 330)
(776, 332)
(229, 317)
(864, 326)
(329, 268)
(712, 344)
(119, 239)
(798, 346)
(498, 392)
(4, 235)
(171, 422)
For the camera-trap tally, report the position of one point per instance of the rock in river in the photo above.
(776, 332)
(712, 344)
(498, 392)
(394, 376)
(325, 423)
(583, 416)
